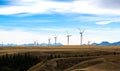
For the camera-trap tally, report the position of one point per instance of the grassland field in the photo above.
(70, 58)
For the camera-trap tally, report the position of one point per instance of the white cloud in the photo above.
(22, 36)
(104, 22)
(35, 7)
(94, 35)
(50, 6)
(108, 4)
(99, 19)
(18, 37)
(104, 34)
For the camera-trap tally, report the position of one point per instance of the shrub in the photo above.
(18, 62)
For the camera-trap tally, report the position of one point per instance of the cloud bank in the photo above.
(110, 7)
(17, 36)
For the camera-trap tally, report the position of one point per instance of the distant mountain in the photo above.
(8, 44)
(94, 44)
(116, 43)
(31, 44)
(44, 44)
(106, 43)
(57, 44)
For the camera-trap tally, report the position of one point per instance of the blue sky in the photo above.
(24, 21)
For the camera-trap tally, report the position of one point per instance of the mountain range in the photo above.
(106, 43)
(31, 44)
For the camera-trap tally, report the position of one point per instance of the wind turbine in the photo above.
(2, 43)
(49, 42)
(81, 35)
(89, 43)
(55, 40)
(36, 43)
(68, 36)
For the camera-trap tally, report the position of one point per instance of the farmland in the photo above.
(69, 58)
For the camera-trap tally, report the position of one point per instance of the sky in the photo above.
(25, 21)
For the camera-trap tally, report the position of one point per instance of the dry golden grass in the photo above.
(36, 67)
(19, 49)
(69, 46)
(64, 51)
(104, 63)
(58, 47)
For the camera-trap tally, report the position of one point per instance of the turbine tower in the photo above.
(2, 43)
(81, 36)
(89, 43)
(49, 42)
(55, 40)
(68, 37)
(36, 43)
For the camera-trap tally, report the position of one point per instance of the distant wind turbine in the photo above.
(81, 35)
(49, 42)
(68, 37)
(89, 43)
(36, 43)
(55, 40)
(2, 43)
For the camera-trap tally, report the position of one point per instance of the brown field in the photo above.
(70, 58)
(16, 49)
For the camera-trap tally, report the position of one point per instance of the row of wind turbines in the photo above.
(81, 36)
(68, 39)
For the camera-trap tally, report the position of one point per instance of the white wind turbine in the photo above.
(55, 40)
(35, 43)
(49, 42)
(68, 38)
(81, 35)
(2, 43)
(89, 43)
